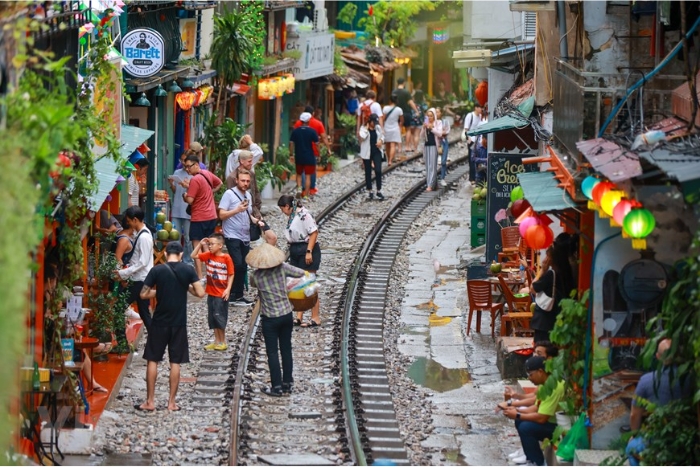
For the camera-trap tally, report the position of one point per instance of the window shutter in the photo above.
(529, 25)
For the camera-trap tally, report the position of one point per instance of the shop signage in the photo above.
(144, 51)
(317, 52)
(502, 177)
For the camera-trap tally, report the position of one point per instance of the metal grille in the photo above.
(529, 25)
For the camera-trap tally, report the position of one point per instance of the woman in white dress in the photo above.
(392, 121)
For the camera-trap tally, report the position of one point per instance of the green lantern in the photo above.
(638, 224)
(516, 194)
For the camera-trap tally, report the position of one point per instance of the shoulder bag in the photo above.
(545, 302)
(255, 231)
(188, 209)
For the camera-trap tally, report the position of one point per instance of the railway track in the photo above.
(341, 411)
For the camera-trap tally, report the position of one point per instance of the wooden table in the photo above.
(48, 392)
(159, 256)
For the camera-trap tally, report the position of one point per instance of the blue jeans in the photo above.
(634, 448)
(313, 181)
(183, 225)
(531, 433)
(238, 250)
(443, 162)
(277, 333)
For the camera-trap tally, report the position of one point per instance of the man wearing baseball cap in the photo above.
(537, 422)
(301, 148)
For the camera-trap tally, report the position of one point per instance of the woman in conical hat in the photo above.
(276, 313)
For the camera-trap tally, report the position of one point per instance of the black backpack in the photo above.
(126, 257)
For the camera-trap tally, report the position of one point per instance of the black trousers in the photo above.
(376, 158)
(238, 250)
(277, 333)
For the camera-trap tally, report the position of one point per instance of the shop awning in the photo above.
(518, 119)
(107, 176)
(543, 193)
(162, 77)
(132, 137)
(683, 167)
(615, 162)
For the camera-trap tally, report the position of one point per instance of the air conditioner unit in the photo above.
(471, 54)
(531, 5)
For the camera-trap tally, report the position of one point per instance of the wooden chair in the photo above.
(481, 299)
(517, 318)
(510, 244)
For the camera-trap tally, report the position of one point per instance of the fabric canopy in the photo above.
(107, 176)
(511, 121)
(131, 138)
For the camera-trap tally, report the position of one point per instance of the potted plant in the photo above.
(327, 160)
(345, 135)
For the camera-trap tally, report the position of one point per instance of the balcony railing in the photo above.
(271, 5)
(583, 100)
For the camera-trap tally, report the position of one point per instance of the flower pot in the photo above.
(564, 420)
(267, 192)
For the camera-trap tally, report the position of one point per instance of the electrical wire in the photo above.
(653, 72)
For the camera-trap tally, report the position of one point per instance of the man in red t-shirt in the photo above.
(219, 281)
(317, 125)
(200, 196)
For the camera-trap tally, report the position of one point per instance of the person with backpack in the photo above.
(369, 107)
(138, 266)
(371, 142)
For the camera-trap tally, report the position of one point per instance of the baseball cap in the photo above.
(533, 363)
(305, 117)
(196, 147)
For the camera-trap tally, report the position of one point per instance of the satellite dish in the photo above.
(643, 282)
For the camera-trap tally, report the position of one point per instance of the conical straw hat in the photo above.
(265, 256)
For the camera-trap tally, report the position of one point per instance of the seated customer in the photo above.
(537, 422)
(659, 388)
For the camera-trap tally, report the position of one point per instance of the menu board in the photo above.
(502, 175)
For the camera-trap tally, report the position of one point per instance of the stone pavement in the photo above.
(458, 373)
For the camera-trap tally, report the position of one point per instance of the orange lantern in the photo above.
(185, 99)
(539, 237)
(264, 90)
(482, 92)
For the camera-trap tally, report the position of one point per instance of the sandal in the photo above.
(310, 324)
(297, 322)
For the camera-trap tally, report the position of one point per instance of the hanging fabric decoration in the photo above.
(482, 92)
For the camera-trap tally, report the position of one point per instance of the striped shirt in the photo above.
(271, 284)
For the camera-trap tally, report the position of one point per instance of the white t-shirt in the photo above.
(133, 190)
(179, 205)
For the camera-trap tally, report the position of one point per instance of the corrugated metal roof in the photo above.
(542, 192)
(682, 167)
(610, 159)
(107, 175)
(131, 138)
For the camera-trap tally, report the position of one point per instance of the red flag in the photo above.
(371, 10)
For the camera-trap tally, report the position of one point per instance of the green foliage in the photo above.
(295, 54)
(671, 435)
(238, 44)
(679, 319)
(221, 139)
(569, 334)
(394, 23)
(42, 117)
(348, 141)
(327, 158)
(282, 158)
(347, 14)
(339, 67)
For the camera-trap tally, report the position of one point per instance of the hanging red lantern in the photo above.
(600, 189)
(482, 92)
(519, 207)
(539, 237)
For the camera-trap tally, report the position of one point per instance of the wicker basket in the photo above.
(303, 304)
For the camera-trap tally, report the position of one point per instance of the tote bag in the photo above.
(542, 300)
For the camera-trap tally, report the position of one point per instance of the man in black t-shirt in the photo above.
(410, 110)
(301, 148)
(169, 284)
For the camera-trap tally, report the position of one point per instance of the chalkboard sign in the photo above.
(502, 176)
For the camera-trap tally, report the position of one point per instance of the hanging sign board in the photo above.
(144, 51)
(502, 177)
(317, 52)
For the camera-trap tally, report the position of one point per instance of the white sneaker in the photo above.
(443, 183)
(520, 459)
(517, 453)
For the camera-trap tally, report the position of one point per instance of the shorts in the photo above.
(217, 315)
(297, 256)
(408, 119)
(306, 169)
(172, 337)
(202, 229)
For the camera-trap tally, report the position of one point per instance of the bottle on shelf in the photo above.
(36, 382)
